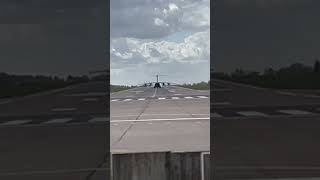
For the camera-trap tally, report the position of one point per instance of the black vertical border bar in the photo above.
(107, 56)
(212, 55)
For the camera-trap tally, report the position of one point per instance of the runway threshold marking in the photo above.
(171, 119)
(203, 97)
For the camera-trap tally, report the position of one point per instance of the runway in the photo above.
(171, 118)
(61, 134)
(263, 133)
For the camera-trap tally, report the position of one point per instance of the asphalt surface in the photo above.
(264, 133)
(61, 134)
(171, 118)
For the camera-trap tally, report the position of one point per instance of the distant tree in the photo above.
(269, 71)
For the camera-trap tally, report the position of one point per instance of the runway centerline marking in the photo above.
(155, 92)
(171, 119)
(63, 109)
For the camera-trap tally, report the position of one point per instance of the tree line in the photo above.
(294, 76)
(20, 85)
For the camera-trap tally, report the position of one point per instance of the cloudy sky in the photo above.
(256, 34)
(167, 37)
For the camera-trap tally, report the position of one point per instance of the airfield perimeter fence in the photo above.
(161, 166)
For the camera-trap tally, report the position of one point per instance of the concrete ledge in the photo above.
(160, 166)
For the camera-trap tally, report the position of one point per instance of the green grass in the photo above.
(197, 86)
(117, 88)
(28, 89)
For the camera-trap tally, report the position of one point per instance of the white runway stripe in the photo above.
(141, 99)
(188, 97)
(15, 122)
(172, 119)
(62, 120)
(203, 97)
(161, 98)
(99, 119)
(113, 100)
(185, 114)
(251, 113)
(127, 100)
(175, 98)
(295, 112)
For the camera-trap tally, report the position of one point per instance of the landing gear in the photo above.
(157, 85)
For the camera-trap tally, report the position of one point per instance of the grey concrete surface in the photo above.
(160, 122)
(70, 147)
(264, 133)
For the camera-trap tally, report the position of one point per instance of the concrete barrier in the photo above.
(161, 166)
(205, 166)
(140, 166)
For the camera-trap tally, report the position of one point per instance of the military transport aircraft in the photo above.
(158, 84)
